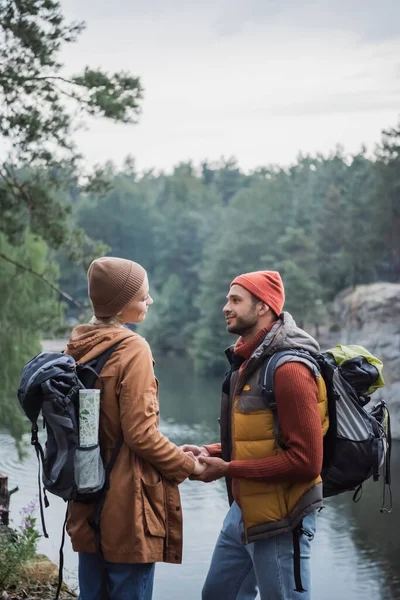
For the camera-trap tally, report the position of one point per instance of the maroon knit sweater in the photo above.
(296, 396)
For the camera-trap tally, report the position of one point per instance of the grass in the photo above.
(37, 580)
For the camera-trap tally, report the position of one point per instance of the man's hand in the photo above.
(195, 450)
(216, 468)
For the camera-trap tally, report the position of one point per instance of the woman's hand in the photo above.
(199, 468)
(195, 450)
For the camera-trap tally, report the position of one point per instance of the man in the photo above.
(274, 493)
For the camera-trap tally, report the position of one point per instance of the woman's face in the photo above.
(136, 310)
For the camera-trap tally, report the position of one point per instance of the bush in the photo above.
(17, 546)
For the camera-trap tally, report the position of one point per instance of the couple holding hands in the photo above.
(274, 489)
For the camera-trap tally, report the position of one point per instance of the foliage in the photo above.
(28, 308)
(17, 546)
(40, 108)
(388, 192)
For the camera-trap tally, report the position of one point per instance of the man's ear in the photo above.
(264, 309)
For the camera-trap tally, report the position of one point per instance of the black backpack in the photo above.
(358, 441)
(50, 386)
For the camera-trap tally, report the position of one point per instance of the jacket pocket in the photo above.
(154, 508)
(249, 404)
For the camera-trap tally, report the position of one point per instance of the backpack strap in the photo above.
(296, 533)
(267, 389)
(40, 458)
(61, 557)
(266, 381)
(387, 480)
(96, 365)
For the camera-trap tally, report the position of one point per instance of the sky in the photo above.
(260, 80)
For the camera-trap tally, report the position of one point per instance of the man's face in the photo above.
(241, 312)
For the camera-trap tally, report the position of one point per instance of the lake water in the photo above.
(356, 552)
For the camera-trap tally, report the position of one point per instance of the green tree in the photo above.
(185, 213)
(168, 326)
(331, 238)
(387, 201)
(28, 307)
(297, 263)
(363, 244)
(247, 230)
(37, 124)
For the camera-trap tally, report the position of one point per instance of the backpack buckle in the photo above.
(34, 436)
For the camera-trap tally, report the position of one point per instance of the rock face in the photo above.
(369, 315)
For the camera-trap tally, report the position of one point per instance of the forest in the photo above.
(325, 222)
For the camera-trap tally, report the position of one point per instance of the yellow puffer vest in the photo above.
(268, 509)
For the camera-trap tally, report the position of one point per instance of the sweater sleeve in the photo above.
(299, 419)
(139, 418)
(214, 450)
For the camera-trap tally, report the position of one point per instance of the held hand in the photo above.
(215, 469)
(199, 468)
(195, 450)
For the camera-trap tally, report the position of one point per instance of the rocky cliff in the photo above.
(369, 315)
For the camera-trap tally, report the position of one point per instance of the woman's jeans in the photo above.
(125, 581)
(238, 571)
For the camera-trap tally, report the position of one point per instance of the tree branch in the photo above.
(27, 78)
(53, 77)
(12, 183)
(71, 95)
(46, 281)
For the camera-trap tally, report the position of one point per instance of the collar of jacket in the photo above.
(235, 360)
(284, 335)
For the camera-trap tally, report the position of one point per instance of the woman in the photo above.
(141, 521)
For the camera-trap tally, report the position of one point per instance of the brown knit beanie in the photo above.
(113, 282)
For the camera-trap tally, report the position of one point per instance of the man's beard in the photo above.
(244, 325)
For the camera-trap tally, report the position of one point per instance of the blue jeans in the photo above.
(126, 581)
(239, 570)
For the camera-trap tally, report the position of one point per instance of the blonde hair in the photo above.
(114, 320)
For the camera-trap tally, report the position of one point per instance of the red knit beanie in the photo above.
(266, 285)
